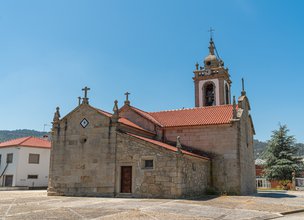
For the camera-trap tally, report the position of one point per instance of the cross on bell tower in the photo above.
(85, 99)
(211, 30)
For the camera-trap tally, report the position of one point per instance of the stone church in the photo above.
(166, 154)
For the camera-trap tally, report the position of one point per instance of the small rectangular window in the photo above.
(9, 158)
(148, 164)
(32, 176)
(0, 159)
(34, 158)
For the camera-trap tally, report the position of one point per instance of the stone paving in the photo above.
(37, 205)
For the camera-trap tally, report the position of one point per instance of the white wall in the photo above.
(12, 167)
(21, 168)
(25, 168)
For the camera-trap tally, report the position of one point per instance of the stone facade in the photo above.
(88, 161)
(174, 175)
(78, 155)
(229, 145)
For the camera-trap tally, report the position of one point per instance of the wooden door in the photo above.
(8, 180)
(126, 179)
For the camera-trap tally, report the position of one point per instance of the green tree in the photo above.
(280, 155)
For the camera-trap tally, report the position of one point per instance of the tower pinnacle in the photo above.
(212, 81)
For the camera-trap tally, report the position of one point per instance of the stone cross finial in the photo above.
(127, 102)
(79, 100)
(85, 98)
(86, 89)
(243, 88)
(234, 113)
(178, 144)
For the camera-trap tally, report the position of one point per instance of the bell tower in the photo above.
(212, 81)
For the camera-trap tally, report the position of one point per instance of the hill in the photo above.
(8, 135)
(260, 146)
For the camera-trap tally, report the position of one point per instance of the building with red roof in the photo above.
(166, 154)
(24, 162)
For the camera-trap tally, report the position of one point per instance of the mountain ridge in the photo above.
(6, 135)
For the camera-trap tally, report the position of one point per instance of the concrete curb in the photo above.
(14, 188)
(292, 212)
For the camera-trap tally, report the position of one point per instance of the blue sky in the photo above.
(51, 49)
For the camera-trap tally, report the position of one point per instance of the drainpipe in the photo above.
(4, 170)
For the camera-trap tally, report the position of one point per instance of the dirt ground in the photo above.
(37, 205)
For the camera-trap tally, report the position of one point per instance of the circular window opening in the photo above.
(83, 140)
(208, 63)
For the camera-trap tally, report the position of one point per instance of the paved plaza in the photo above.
(37, 205)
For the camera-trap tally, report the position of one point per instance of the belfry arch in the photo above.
(209, 94)
(227, 94)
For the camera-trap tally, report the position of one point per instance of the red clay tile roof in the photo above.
(122, 120)
(167, 146)
(146, 115)
(27, 142)
(103, 112)
(212, 115)
(131, 124)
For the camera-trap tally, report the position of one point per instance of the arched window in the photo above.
(227, 94)
(209, 94)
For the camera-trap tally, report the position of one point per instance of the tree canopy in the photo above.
(280, 155)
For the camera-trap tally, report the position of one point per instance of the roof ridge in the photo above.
(29, 141)
(139, 109)
(101, 111)
(138, 126)
(166, 144)
(104, 111)
(184, 109)
(142, 112)
(25, 139)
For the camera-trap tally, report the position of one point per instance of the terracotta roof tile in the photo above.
(146, 115)
(122, 120)
(27, 142)
(167, 146)
(211, 115)
(131, 124)
(103, 112)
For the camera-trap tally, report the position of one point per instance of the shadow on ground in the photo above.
(280, 194)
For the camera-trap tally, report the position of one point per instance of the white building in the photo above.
(25, 162)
